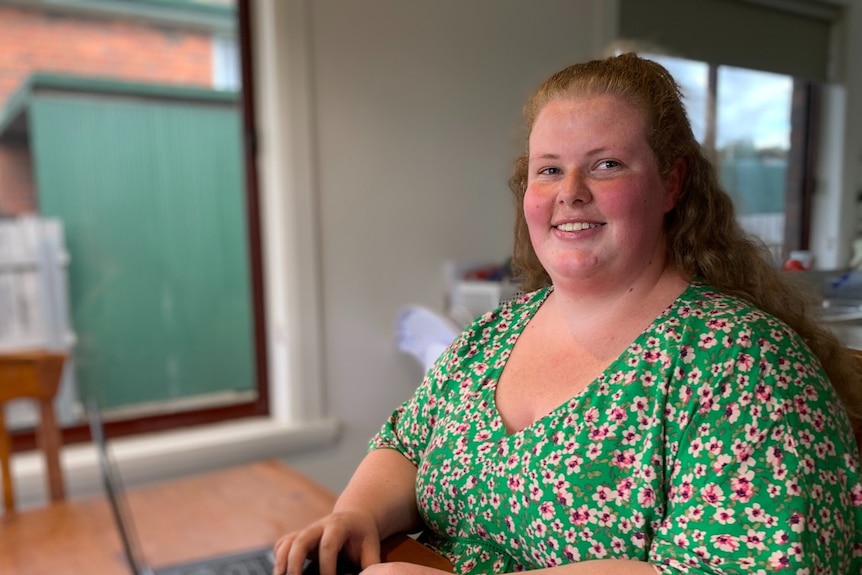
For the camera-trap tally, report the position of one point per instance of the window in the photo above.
(226, 73)
(158, 202)
(745, 119)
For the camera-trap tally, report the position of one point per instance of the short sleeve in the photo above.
(764, 475)
(409, 428)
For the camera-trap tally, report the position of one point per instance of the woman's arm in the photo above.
(385, 484)
(378, 501)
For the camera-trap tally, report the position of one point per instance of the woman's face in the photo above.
(595, 202)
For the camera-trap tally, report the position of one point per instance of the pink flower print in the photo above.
(780, 538)
(793, 487)
(572, 554)
(712, 494)
(624, 459)
(580, 515)
(724, 516)
(726, 543)
(624, 490)
(763, 392)
(598, 550)
(797, 522)
(779, 560)
(515, 504)
(601, 432)
(651, 355)
(538, 528)
(744, 362)
(681, 540)
(617, 414)
(535, 492)
(630, 436)
(774, 455)
(742, 488)
(754, 539)
(573, 463)
(546, 509)
(639, 404)
(605, 518)
(603, 494)
(731, 413)
(686, 490)
(714, 445)
(707, 340)
(646, 496)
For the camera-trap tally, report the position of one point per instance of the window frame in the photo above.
(25, 439)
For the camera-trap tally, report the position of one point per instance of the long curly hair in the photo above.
(703, 237)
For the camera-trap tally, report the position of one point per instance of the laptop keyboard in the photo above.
(261, 565)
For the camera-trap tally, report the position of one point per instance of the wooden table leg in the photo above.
(48, 436)
(5, 463)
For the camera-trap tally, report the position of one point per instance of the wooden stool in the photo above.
(35, 375)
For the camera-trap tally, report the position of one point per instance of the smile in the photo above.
(576, 226)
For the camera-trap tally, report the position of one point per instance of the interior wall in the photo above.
(412, 114)
(416, 121)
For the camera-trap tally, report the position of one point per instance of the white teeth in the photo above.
(576, 226)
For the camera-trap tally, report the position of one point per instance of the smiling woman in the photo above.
(655, 400)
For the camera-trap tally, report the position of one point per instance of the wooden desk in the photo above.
(177, 520)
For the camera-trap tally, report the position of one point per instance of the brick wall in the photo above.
(41, 41)
(16, 180)
(31, 41)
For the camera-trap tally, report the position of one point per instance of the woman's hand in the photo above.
(351, 533)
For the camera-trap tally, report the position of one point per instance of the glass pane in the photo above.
(693, 80)
(122, 121)
(753, 144)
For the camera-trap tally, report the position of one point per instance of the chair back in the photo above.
(33, 375)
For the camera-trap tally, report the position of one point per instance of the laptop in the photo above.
(251, 562)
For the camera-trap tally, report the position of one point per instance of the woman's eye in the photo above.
(550, 171)
(608, 164)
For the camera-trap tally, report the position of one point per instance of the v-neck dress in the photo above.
(714, 444)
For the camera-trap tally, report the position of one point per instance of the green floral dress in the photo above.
(713, 444)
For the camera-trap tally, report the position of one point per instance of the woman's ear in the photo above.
(673, 185)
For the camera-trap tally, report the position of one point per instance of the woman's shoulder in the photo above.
(701, 301)
(707, 318)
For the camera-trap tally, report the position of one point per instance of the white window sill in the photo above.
(162, 455)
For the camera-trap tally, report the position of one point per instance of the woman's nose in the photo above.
(573, 189)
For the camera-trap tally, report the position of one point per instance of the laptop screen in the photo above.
(116, 495)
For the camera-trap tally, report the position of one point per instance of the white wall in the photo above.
(387, 132)
(414, 115)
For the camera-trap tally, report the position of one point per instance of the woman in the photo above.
(656, 402)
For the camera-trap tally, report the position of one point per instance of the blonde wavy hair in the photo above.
(704, 239)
